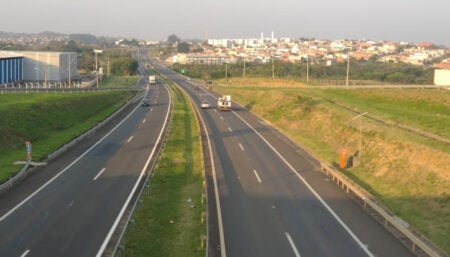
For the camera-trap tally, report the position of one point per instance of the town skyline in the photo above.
(55, 35)
(402, 20)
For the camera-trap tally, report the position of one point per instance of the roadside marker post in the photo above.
(28, 147)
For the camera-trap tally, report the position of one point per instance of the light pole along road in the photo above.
(74, 211)
(270, 199)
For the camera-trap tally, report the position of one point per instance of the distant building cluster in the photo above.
(329, 52)
(263, 50)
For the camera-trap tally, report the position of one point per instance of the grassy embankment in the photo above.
(169, 221)
(49, 121)
(409, 173)
(119, 81)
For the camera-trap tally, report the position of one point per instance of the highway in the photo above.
(268, 198)
(72, 206)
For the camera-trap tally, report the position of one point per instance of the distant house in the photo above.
(442, 77)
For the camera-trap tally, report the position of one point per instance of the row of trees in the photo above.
(396, 73)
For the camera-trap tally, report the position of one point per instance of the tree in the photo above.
(124, 66)
(183, 47)
(172, 39)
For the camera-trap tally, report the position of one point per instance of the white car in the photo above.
(205, 105)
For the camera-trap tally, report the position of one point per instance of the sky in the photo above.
(397, 20)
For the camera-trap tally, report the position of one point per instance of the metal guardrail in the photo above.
(92, 130)
(64, 90)
(22, 173)
(8, 184)
(368, 200)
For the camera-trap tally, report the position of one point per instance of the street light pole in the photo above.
(360, 133)
(96, 51)
(70, 75)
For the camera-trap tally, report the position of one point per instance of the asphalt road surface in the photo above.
(270, 199)
(71, 206)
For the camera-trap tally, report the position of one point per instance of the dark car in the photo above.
(146, 103)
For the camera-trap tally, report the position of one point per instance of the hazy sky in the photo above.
(398, 20)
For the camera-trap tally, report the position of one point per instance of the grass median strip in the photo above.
(169, 221)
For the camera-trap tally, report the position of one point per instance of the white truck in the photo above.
(152, 80)
(224, 103)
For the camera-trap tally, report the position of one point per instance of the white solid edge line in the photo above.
(99, 173)
(68, 166)
(25, 253)
(124, 207)
(257, 176)
(310, 189)
(216, 192)
(291, 242)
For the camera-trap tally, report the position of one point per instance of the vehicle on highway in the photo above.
(152, 80)
(224, 103)
(205, 104)
(145, 103)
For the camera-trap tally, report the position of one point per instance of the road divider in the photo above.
(291, 242)
(99, 173)
(257, 176)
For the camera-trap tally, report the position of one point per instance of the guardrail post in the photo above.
(202, 241)
(132, 222)
(121, 248)
(203, 217)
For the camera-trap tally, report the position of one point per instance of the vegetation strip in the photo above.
(170, 220)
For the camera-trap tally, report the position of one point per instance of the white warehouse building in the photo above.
(47, 66)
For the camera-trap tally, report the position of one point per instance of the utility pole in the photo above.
(273, 69)
(307, 68)
(348, 69)
(46, 75)
(360, 133)
(226, 70)
(108, 70)
(243, 72)
(69, 70)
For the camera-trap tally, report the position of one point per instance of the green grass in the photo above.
(119, 81)
(428, 110)
(49, 121)
(169, 222)
(407, 172)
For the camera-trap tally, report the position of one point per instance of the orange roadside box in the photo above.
(343, 158)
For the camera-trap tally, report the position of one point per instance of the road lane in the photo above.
(293, 199)
(72, 214)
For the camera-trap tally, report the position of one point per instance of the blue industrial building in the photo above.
(11, 69)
